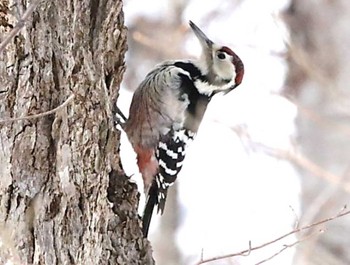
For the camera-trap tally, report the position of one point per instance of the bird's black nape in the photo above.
(148, 212)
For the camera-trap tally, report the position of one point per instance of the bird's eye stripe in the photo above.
(227, 51)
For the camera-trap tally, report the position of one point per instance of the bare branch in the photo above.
(312, 167)
(294, 157)
(320, 120)
(39, 115)
(19, 25)
(295, 231)
(285, 247)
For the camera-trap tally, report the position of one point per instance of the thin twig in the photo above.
(39, 115)
(19, 25)
(306, 227)
(294, 157)
(317, 118)
(285, 247)
(249, 249)
(296, 217)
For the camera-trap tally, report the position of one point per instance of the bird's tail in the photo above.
(150, 204)
(156, 196)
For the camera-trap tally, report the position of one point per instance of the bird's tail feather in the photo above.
(148, 212)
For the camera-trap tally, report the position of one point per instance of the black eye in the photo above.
(221, 56)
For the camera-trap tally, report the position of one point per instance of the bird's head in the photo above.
(223, 68)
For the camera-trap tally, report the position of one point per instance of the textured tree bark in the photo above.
(64, 198)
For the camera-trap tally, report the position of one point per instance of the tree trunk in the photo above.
(64, 197)
(319, 83)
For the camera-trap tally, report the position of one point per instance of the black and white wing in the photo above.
(170, 154)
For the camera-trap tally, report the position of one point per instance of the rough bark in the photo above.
(64, 198)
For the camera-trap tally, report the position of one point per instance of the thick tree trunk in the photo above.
(64, 198)
(319, 82)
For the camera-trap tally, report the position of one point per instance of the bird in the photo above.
(167, 109)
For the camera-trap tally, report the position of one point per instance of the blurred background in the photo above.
(271, 156)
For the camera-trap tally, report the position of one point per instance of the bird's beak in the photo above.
(203, 39)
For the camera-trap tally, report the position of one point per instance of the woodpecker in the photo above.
(167, 109)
